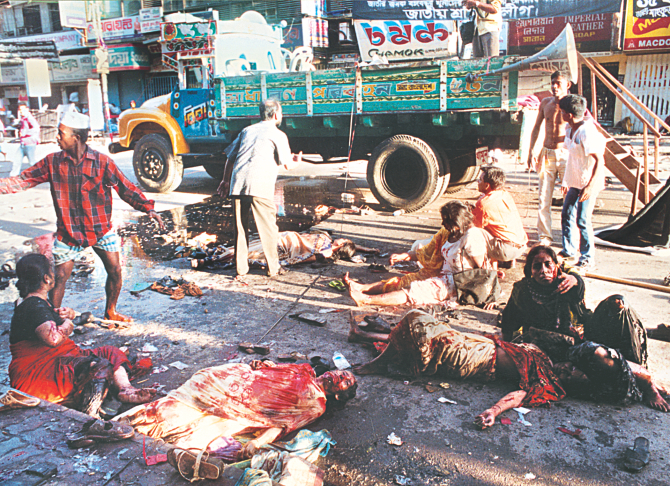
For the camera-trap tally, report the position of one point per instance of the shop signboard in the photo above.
(292, 37)
(454, 10)
(72, 13)
(12, 74)
(128, 57)
(150, 19)
(593, 33)
(72, 68)
(62, 40)
(406, 40)
(117, 28)
(647, 26)
(172, 34)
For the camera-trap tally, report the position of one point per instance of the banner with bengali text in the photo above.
(647, 26)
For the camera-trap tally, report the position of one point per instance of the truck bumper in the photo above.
(116, 147)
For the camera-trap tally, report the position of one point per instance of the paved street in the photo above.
(441, 444)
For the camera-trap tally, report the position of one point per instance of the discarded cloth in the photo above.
(179, 291)
(308, 445)
(287, 469)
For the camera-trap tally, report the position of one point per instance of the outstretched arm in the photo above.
(488, 417)
(651, 391)
(32, 176)
(267, 437)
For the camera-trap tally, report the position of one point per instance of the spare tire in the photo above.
(404, 173)
(156, 168)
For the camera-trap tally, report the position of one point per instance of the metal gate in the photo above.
(648, 78)
(159, 85)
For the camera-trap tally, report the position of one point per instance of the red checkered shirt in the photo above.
(81, 192)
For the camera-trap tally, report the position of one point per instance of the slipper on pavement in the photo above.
(15, 399)
(637, 457)
(338, 285)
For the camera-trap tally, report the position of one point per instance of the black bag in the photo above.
(477, 286)
(467, 30)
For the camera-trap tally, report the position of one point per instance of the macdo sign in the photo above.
(647, 26)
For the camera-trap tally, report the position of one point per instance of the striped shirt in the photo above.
(81, 192)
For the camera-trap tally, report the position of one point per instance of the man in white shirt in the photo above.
(584, 179)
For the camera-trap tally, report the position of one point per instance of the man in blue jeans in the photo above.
(584, 179)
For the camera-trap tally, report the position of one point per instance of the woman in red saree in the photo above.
(223, 401)
(47, 364)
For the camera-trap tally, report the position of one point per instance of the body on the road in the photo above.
(81, 187)
(550, 165)
(250, 174)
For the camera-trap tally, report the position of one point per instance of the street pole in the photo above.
(102, 61)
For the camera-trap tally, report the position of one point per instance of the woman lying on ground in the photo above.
(227, 400)
(456, 247)
(294, 248)
(552, 300)
(47, 364)
(423, 345)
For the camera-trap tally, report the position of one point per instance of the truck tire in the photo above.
(156, 168)
(404, 173)
(462, 173)
(445, 166)
(215, 171)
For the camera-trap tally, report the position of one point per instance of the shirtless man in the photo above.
(553, 157)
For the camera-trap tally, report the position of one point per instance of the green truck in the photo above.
(422, 126)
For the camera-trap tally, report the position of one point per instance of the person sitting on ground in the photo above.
(47, 364)
(426, 346)
(294, 248)
(496, 212)
(456, 247)
(226, 400)
(552, 300)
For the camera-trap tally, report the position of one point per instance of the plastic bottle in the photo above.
(340, 361)
(398, 212)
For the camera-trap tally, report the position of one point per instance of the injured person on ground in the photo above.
(228, 400)
(47, 364)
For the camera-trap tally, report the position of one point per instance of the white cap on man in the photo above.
(75, 120)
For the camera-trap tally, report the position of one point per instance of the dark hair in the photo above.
(457, 213)
(561, 74)
(82, 133)
(31, 270)
(493, 176)
(573, 104)
(23, 103)
(268, 108)
(345, 251)
(535, 251)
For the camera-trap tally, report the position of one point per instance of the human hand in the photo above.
(66, 327)
(470, 3)
(248, 450)
(66, 313)
(564, 190)
(224, 189)
(297, 157)
(586, 193)
(485, 419)
(567, 281)
(157, 217)
(399, 257)
(491, 306)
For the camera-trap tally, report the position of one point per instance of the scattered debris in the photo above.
(577, 433)
(505, 421)
(522, 411)
(159, 369)
(446, 400)
(393, 439)
(338, 285)
(402, 480)
(179, 365)
(251, 348)
(149, 348)
(530, 476)
(340, 361)
(445, 385)
(309, 318)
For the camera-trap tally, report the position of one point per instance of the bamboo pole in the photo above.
(633, 283)
(594, 99)
(646, 164)
(636, 194)
(656, 149)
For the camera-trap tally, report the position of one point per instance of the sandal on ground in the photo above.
(338, 285)
(194, 466)
(637, 457)
(376, 324)
(96, 430)
(14, 399)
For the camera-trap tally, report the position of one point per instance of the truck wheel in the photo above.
(445, 166)
(215, 171)
(463, 172)
(156, 168)
(404, 173)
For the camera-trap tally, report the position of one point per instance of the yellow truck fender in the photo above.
(137, 122)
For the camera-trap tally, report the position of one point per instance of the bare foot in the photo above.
(374, 367)
(349, 282)
(359, 297)
(135, 395)
(357, 335)
(112, 315)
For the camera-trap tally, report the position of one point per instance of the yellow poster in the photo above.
(647, 25)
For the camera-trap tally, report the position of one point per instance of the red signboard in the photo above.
(593, 33)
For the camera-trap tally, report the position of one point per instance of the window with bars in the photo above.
(54, 17)
(32, 19)
(160, 85)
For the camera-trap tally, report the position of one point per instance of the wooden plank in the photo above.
(624, 174)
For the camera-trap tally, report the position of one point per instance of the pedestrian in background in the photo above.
(584, 179)
(29, 135)
(249, 177)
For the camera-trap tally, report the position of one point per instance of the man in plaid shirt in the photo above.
(81, 187)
